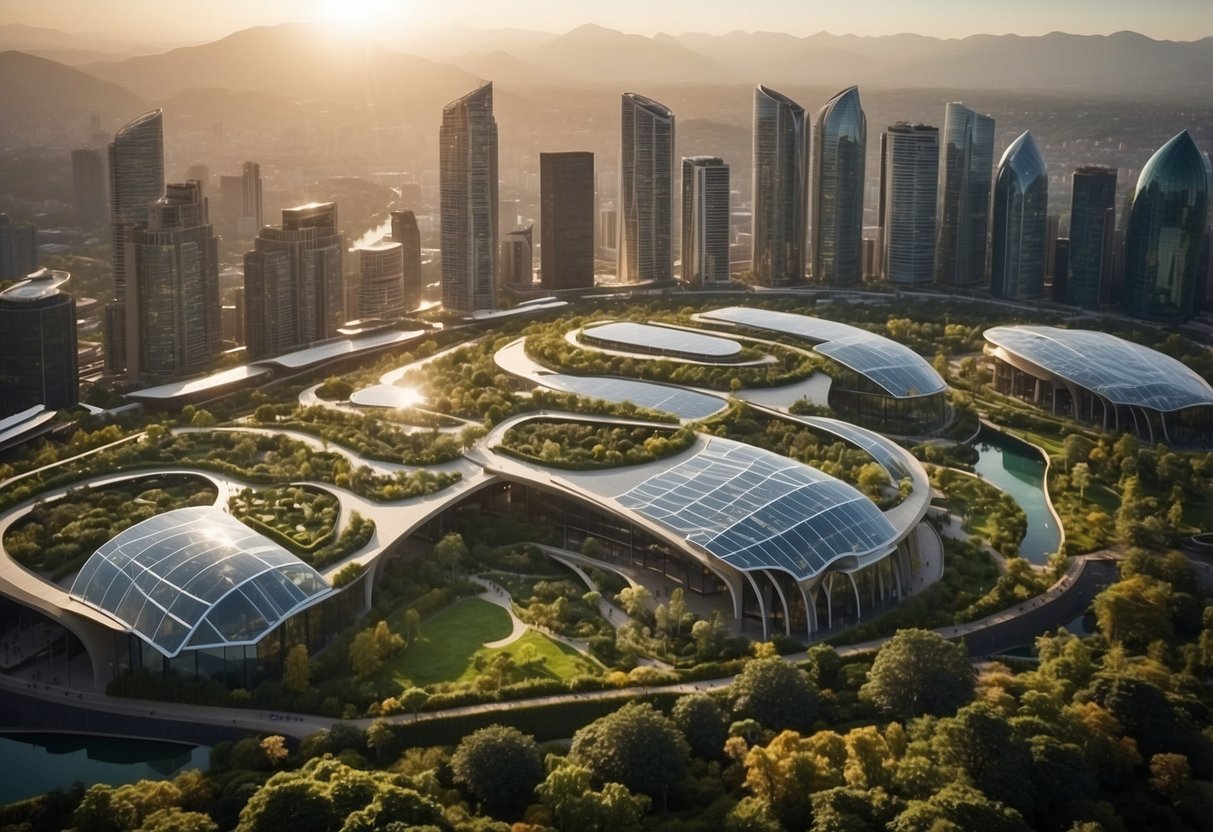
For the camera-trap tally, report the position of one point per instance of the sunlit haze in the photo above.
(189, 22)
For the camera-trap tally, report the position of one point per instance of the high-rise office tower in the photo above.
(38, 344)
(467, 149)
(251, 219)
(1092, 230)
(18, 248)
(381, 293)
(780, 187)
(269, 302)
(311, 238)
(1166, 233)
(1021, 222)
(517, 260)
(839, 150)
(705, 221)
(88, 187)
(566, 220)
(909, 181)
(175, 290)
(136, 180)
(406, 232)
(965, 167)
(646, 190)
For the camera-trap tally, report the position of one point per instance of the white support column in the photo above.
(855, 588)
(787, 611)
(762, 607)
(810, 609)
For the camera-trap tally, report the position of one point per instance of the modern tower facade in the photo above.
(467, 149)
(381, 294)
(175, 291)
(781, 189)
(705, 221)
(646, 190)
(18, 248)
(1092, 231)
(839, 151)
(136, 180)
(406, 232)
(566, 220)
(314, 249)
(965, 166)
(251, 219)
(909, 180)
(88, 187)
(1021, 222)
(1166, 231)
(517, 259)
(38, 344)
(269, 303)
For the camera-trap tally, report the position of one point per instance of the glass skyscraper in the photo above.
(1092, 230)
(38, 344)
(781, 188)
(1021, 222)
(406, 232)
(1165, 236)
(965, 167)
(909, 176)
(467, 150)
(839, 151)
(705, 221)
(646, 190)
(566, 220)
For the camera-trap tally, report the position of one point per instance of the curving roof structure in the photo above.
(754, 509)
(683, 403)
(897, 369)
(653, 338)
(196, 578)
(38, 285)
(885, 451)
(1120, 371)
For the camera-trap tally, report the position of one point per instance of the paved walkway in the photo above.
(496, 594)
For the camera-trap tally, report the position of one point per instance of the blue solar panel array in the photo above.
(195, 578)
(648, 337)
(885, 451)
(1120, 371)
(756, 510)
(685, 404)
(896, 368)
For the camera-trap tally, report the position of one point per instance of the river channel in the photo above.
(1017, 468)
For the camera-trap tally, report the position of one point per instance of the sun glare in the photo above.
(355, 13)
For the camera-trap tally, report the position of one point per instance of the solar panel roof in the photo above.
(885, 451)
(1118, 370)
(896, 368)
(649, 338)
(685, 404)
(754, 509)
(196, 578)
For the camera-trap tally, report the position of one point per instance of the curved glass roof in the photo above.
(196, 578)
(685, 404)
(1118, 370)
(754, 509)
(882, 449)
(650, 338)
(39, 285)
(896, 368)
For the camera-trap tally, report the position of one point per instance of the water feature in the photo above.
(35, 763)
(1017, 468)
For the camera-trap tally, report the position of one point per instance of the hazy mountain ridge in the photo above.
(37, 92)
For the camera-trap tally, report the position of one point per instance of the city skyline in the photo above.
(1182, 20)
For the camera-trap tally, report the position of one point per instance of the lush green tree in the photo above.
(292, 802)
(177, 820)
(703, 723)
(499, 767)
(1080, 478)
(1135, 611)
(576, 807)
(297, 669)
(918, 672)
(636, 746)
(364, 655)
(853, 810)
(414, 699)
(450, 551)
(979, 742)
(777, 694)
(958, 808)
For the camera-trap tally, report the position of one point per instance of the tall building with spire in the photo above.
(1088, 282)
(136, 180)
(705, 221)
(966, 166)
(839, 153)
(467, 150)
(646, 190)
(781, 189)
(1166, 229)
(1021, 222)
(406, 232)
(566, 220)
(174, 294)
(909, 177)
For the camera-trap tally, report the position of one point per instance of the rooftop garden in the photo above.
(590, 445)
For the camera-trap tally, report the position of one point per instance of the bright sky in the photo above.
(182, 20)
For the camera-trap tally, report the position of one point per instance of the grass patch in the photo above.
(449, 640)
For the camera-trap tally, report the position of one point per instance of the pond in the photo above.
(1018, 469)
(35, 763)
